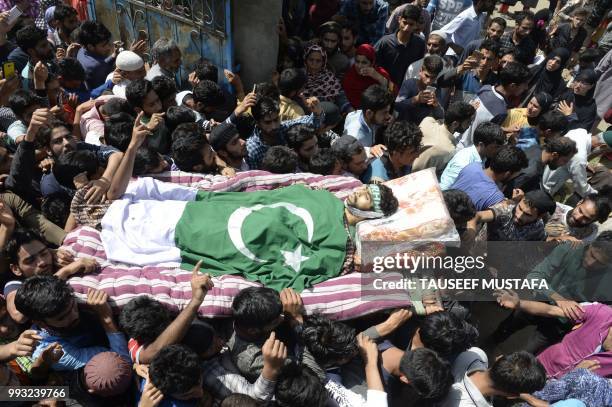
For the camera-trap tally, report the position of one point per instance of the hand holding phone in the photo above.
(8, 70)
(14, 14)
(477, 55)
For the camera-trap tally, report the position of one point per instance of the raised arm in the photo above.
(125, 168)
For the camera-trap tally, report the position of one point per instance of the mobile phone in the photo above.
(8, 69)
(255, 88)
(477, 54)
(142, 35)
(431, 89)
(14, 14)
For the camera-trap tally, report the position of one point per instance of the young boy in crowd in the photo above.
(96, 54)
(375, 112)
(229, 146)
(143, 98)
(303, 140)
(50, 304)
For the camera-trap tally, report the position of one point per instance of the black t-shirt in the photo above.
(396, 57)
(563, 38)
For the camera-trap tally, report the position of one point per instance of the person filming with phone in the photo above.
(418, 98)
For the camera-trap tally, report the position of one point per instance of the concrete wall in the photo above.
(254, 25)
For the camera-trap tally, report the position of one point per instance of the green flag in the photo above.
(289, 237)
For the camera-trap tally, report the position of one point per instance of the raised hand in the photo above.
(73, 50)
(139, 47)
(566, 108)
(151, 396)
(140, 132)
(367, 349)
(314, 105)
(52, 354)
(6, 216)
(41, 72)
(200, 284)
(98, 301)
(40, 118)
(247, 103)
(26, 343)
(507, 298)
(157, 119)
(274, 356)
(293, 306)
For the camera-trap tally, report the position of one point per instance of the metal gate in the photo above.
(202, 28)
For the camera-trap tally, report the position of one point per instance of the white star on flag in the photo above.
(294, 259)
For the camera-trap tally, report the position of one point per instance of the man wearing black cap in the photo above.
(228, 145)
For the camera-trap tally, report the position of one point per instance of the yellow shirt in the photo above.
(289, 109)
(516, 117)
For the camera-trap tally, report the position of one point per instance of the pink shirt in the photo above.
(582, 343)
(92, 124)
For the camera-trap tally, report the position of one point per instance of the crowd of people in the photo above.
(510, 110)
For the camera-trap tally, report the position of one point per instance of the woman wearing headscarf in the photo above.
(521, 122)
(322, 82)
(546, 77)
(363, 74)
(580, 95)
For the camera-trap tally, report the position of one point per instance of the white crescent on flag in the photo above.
(294, 258)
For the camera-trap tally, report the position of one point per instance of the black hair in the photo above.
(518, 372)
(188, 140)
(291, 80)
(299, 386)
(388, 201)
(459, 205)
(23, 99)
(42, 297)
(330, 27)
(176, 115)
(329, 342)
(514, 72)
(208, 93)
(458, 112)
(447, 334)
(376, 97)
(541, 200)
(264, 106)
(63, 11)
(29, 36)
(164, 86)
(553, 120)
(429, 374)
(71, 68)
(93, 33)
(523, 15)
(433, 64)
(602, 242)
(137, 91)
(589, 55)
(240, 400)
(18, 239)
(509, 158)
(145, 159)
(345, 151)
(411, 12)
(499, 21)
(490, 45)
(43, 137)
(175, 370)
(507, 51)
(603, 205)
(116, 105)
(206, 71)
(56, 208)
(323, 162)
(70, 164)
(489, 133)
(245, 124)
(563, 146)
(280, 160)
(256, 307)
(350, 26)
(580, 11)
(144, 319)
(118, 130)
(401, 135)
(267, 89)
(298, 134)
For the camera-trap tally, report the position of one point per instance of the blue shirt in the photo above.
(465, 27)
(76, 350)
(356, 126)
(96, 68)
(378, 170)
(371, 27)
(256, 147)
(481, 189)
